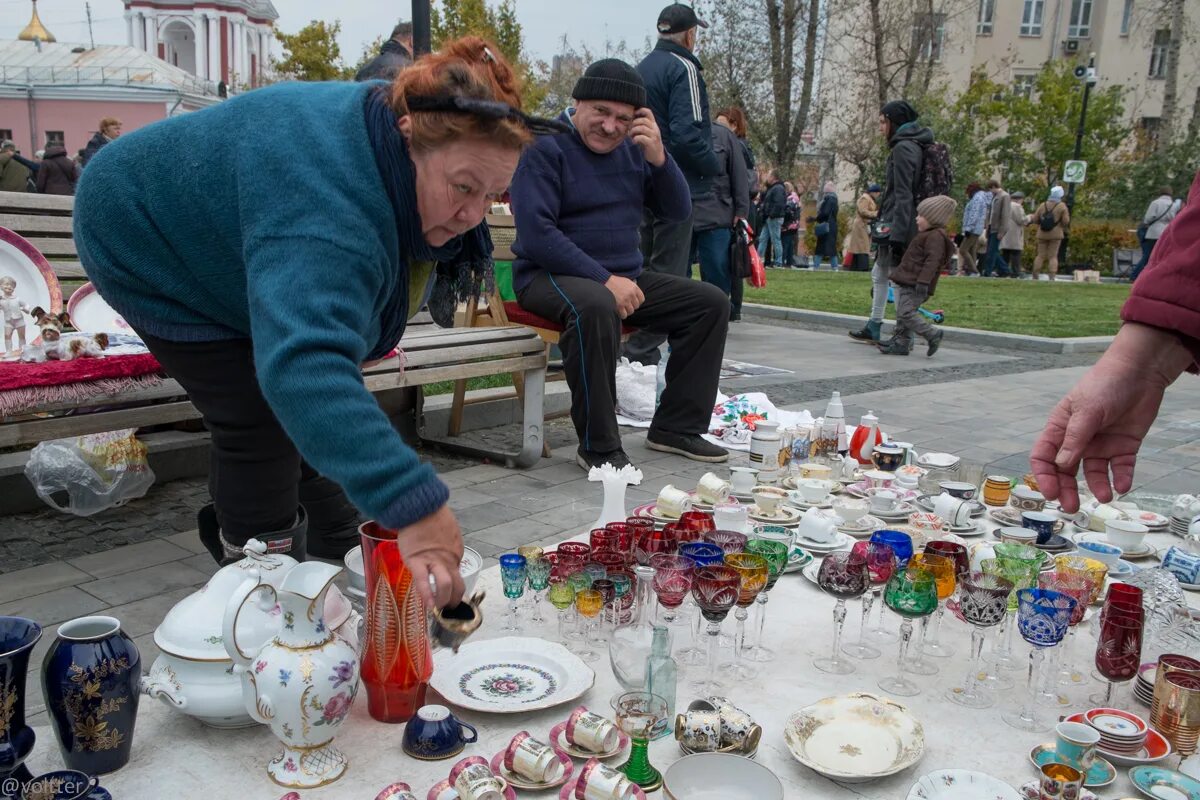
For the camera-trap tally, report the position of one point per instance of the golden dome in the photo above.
(35, 29)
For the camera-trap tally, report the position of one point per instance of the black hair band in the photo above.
(487, 109)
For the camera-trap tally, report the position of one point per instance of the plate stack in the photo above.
(1179, 525)
(1120, 732)
(1143, 685)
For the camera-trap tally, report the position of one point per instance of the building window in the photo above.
(1158, 53)
(987, 10)
(1023, 86)
(55, 138)
(5, 134)
(1126, 17)
(1080, 24)
(1151, 127)
(928, 34)
(1031, 17)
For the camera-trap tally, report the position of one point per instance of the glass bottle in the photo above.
(631, 645)
(662, 673)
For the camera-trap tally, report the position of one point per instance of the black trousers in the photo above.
(666, 249)
(691, 315)
(256, 477)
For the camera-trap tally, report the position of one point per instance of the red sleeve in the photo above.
(1167, 294)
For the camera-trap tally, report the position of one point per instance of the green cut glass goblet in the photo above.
(911, 593)
(643, 716)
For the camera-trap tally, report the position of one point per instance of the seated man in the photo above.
(577, 198)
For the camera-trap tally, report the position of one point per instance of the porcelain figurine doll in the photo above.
(12, 309)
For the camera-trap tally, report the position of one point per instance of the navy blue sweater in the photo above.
(579, 213)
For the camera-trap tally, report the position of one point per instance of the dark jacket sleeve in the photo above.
(739, 187)
(536, 194)
(690, 138)
(667, 192)
(93, 146)
(906, 162)
(1167, 295)
(31, 164)
(775, 203)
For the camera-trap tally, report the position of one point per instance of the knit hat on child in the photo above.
(937, 210)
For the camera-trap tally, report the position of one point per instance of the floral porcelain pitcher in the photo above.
(303, 681)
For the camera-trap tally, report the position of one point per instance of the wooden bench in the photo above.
(432, 354)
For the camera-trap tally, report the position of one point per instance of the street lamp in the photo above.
(1088, 76)
(422, 33)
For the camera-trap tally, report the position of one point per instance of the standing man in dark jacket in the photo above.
(677, 95)
(715, 214)
(898, 206)
(999, 221)
(395, 55)
(774, 207)
(57, 173)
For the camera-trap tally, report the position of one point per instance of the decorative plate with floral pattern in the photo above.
(510, 675)
(961, 784)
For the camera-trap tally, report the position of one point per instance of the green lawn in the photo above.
(485, 382)
(993, 304)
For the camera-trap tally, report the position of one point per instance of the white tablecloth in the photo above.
(176, 757)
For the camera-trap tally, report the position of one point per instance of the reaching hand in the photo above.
(1103, 419)
(627, 294)
(434, 546)
(645, 134)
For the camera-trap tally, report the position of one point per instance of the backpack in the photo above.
(937, 173)
(791, 213)
(1047, 222)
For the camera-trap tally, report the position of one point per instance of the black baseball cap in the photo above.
(677, 18)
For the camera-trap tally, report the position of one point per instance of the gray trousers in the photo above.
(666, 248)
(879, 282)
(908, 318)
(968, 254)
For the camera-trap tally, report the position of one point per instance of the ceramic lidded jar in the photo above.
(303, 681)
(90, 678)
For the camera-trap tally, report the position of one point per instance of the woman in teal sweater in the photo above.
(267, 248)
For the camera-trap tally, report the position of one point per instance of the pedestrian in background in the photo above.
(14, 176)
(1013, 242)
(865, 212)
(791, 224)
(58, 172)
(999, 221)
(110, 130)
(395, 54)
(715, 214)
(974, 221)
(1052, 219)
(916, 277)
(774, 206)
(1159, 214)
(826, 228)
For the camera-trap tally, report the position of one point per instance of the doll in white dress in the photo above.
(12, 309)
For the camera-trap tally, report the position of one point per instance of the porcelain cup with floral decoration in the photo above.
(1023, 498)
(816, 527)
(532, 759)
(743, 479)
(599, 781)
(1075, 745)
(768, 499)
(473, 779)
(589, 731)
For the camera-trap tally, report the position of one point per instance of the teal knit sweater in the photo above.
(266, 217)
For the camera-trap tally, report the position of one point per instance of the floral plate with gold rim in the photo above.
(961, 784)
(855, 738)
(510, 675)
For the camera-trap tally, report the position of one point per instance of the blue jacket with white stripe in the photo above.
(677, 95)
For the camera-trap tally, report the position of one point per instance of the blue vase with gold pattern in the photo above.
(90, 678)
(17, 638)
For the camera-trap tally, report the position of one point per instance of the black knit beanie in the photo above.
(613, 80)
(899, 112)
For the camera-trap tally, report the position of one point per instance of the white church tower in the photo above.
(216, 40)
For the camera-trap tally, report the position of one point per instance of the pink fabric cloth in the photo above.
(25, 387)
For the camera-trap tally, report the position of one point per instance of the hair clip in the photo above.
(487, 109)
(488, 55)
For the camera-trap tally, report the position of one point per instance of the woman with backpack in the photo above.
(1052, 218)
(1161, 211)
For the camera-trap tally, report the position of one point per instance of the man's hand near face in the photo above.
(644, 133)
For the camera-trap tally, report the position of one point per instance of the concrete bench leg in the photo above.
(534, 433)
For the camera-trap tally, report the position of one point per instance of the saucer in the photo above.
(925, 502)
(1157, 782)
(1144, 550)
(783, 516)
(795, 501)
(521, 782)
(790, 483)
(797, 559)
(865, 523)
(1055, 544)
(1155, 748)
(841, 541)
(1123, 570)
(1102, 773)
(901, 511)
(974, 529)
(1033, 790)
(558, 740)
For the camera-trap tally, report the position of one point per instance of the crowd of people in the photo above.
(51, 170)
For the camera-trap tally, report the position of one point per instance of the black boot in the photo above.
(289, 541)
(895, 348)
(869, 332)
(332, 519)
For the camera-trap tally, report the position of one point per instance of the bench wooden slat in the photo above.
(23, 202)
(53, 247)
(36, 224)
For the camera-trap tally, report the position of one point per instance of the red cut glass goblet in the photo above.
(715, 589)
(673, 576)
(1118, 653)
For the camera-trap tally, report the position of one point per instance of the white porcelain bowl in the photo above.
(469, 567)
(850, 509)
(720, 776)
(813, 489)
(1125, 534)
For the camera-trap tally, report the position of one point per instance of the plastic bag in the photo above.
(636, 396)
(88, 474)
(758, 274)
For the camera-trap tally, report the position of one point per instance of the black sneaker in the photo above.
(935, 342)
(692, 445)
(894, 348)
(589, 458)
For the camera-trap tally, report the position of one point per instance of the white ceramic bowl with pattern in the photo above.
(855, 738)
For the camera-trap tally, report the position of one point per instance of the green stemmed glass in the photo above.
(911, 593)
(776, 553)
(643, 716)
(538, 569)
(562, 597)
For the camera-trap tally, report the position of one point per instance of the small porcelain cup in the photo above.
(1025, 499)
(768, 499)
(907, 480)
(996, 490)
(1075, 744)
(712, 490)
(1060, 782)
(592, 732)
(850, 509)
(1107, 554)
(959, 489)
(699, 730)
(816, 527)
(955, 511)
(1011, 533)
(673, 502)
(742, 479)
(813, 470)
(731, 516)
(878, 479)
(813, 490)
(1125, 534)
(1183, 565)
(433, 733)
(1041, 522)
(532, 759)
(473, 779)
(393, 791)
(599, 781)
(883, 500)
(888, 458)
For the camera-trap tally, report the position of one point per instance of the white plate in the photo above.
(901, 511)
(863, 525)
(842, 541)
(784, 515)
(90, 313)
(961, 784)
(36, 283)
(511, 675)
(855, 738)
(810, 571)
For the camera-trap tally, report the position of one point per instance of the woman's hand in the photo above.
(434, 546)
(1103, 419)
